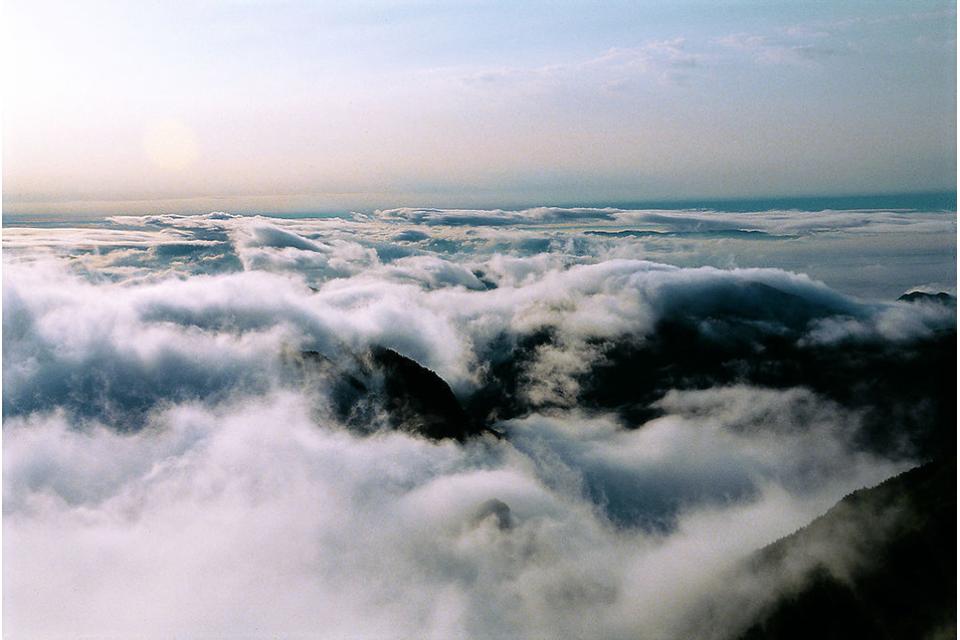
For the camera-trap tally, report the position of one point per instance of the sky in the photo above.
(247, 105)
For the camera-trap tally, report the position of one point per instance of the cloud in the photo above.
(179, 338)
(893, 322)
(248, 517)
(712, 447)
(663, 61)
(494, 217)
(32, 238)
(795, 46)
(411, 235)
(866, 253)
(169, 469)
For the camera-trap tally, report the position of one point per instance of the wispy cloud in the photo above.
(774, 50)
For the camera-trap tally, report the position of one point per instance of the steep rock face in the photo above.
(419, 400)
(413, 397)
(897, 578)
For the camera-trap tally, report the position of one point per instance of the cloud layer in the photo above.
(169, 468)
(255, 520)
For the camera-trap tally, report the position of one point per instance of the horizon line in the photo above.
(942, 199)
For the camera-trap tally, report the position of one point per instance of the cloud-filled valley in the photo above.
(457, 423)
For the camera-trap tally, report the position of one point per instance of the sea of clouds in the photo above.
(168, 472)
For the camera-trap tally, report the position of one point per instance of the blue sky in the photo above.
(286, 106)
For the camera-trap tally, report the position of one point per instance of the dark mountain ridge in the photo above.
(904, 391)
(934, 298)
(414, 398)
(899, 579)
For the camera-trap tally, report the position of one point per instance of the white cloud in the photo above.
(167, 471)
(250, 519)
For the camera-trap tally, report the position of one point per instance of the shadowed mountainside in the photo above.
(414, 398)
(903, 390)
(900, 582)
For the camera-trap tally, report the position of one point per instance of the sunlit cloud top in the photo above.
(297, 106)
